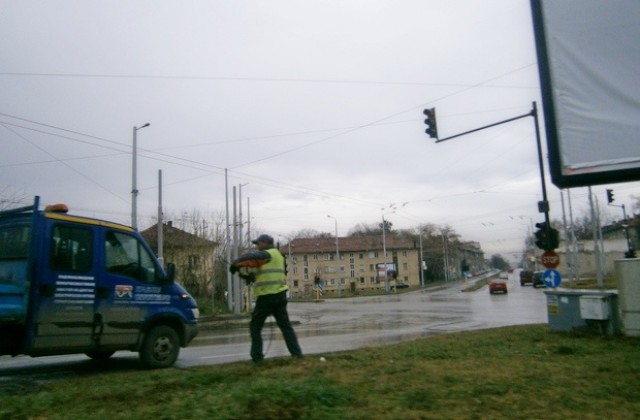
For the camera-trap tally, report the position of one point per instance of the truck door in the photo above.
(65, 297)
(128, 291)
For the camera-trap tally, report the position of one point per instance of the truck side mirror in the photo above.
(170, 273)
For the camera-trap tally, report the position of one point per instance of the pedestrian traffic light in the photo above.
(430, 121)
(610, 197)
(541, 236)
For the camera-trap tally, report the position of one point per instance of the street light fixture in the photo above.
(134, 181)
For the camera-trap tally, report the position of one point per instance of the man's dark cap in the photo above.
(263, 238)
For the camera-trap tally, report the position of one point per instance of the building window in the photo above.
(373, 254)
(361, 256)
(193, 261)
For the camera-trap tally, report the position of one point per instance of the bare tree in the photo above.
(9, 197)
(308, 234)
(363, 229)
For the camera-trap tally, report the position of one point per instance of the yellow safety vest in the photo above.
(270, 278)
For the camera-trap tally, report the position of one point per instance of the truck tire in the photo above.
(160, 348)
(99, 354)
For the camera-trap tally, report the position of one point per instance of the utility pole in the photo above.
(134, 177)
(160, 227)
(228, 242)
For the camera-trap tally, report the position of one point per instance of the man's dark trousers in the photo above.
(276, 305)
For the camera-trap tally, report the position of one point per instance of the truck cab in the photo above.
(71, 284)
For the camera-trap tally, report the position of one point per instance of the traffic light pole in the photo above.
(630, 251)
(543, 206)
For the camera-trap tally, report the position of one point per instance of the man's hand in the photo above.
(248, 278)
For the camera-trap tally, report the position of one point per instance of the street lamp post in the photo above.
(384, 251)
(337, 249)
(134, 176)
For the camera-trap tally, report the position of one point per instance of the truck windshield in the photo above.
(126, 256)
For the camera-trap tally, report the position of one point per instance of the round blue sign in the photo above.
(552, 278)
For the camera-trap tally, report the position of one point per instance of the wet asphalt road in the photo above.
(329, 326)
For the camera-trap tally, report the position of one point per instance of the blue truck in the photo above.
(71, 284)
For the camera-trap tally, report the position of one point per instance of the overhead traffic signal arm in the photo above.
(427, 112)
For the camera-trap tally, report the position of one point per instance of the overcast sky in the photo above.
(314, 106)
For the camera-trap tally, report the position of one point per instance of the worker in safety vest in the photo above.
(269, 270)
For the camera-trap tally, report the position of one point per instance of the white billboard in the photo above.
(589, 62)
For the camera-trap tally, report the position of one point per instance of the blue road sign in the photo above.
(552, 278)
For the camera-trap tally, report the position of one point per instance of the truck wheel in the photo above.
(99, 355)
(160, 348)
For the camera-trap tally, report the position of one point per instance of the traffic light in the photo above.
(430, 121)
(541, 236)
(610, 197)
(554, 239)
(547, 238)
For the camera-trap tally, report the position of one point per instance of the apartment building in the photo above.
(351, 264)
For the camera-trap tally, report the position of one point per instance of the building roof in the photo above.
(348, 244)
(173, 237)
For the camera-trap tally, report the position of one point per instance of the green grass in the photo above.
(524, 372)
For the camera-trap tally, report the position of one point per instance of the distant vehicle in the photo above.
(498, 285)
(538, 280)
(401, 286)
(72, 284)
(526, 277)
(503, 275)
